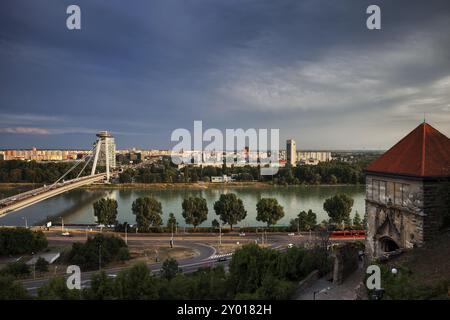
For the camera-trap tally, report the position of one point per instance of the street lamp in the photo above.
(26, 222)
(126, 235)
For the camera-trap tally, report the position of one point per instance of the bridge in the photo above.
(25, 199)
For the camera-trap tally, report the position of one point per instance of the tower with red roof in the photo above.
(405, 192)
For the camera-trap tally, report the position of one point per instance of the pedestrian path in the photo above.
(323, 289)
(217, 256)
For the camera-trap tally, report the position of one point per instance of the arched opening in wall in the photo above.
(388, 245)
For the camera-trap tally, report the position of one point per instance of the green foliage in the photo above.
(169, 269)
(21, 240)
(41, 265)
(338, 208)
(255, 273)
(35, 172)
(215, 224)
(195, 210)
(357, 222)
(305, 221)
(101, 287)
(230, 209)
(106, 211)
(56, 289)
(17, 269)
(402, 286)
(86, 255)
(136, 283)
(12, 290)
(269, 211)
(172, 222)
(148, 212)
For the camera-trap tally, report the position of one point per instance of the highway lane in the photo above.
(188, 265)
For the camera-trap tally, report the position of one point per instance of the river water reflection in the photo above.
(76, 206)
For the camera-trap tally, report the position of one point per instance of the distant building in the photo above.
(291, 152)
(404, 207)
(223, 178)
(313, 157)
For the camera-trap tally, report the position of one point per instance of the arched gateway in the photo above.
(403, 204)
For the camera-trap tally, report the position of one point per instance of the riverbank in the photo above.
(180, 185)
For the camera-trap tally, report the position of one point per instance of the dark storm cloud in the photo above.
(144, 68)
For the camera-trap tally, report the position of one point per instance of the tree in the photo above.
(169, 269)
(106, 211)
(56, 289)
(306, 220)
(11, 290)
(101, 288)
(21, 240)
(148, 212)
(41, 265)
(230, 209)
(136, 283)
(215, 224)
(357, 223)
(172, 222)
(16, 269)
(195, 210)
(269, 211)
(338, 207)
(86, 255)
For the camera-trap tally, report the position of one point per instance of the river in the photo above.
(76, 206)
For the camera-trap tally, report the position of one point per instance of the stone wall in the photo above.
(345, 261)
(405, 211)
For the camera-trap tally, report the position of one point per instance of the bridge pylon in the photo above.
(105, 151)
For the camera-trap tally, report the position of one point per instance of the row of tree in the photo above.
(332, 172)
(21, 240)
(230, 210)
(254, 273)
(14, 171)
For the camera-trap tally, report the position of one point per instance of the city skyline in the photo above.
(310, 68)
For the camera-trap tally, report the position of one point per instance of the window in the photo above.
(398, 194)
(405, 194)
(390, 192)
(376, 190)
(383, 198)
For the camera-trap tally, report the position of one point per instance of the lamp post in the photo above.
(26, 222)
(126, 235)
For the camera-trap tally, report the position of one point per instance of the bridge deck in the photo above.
(25, 199)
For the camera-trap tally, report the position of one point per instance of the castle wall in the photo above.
(394, 211)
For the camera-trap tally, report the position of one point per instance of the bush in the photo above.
(11, 290)
(16, 269)
(87, 255)
(41, 265)
(21, 240)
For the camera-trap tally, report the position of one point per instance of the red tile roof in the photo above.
(424, 152)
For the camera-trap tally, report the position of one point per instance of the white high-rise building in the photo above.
(291, 152)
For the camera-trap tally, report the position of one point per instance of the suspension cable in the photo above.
(73, 167)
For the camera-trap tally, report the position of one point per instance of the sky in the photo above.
(144, 68)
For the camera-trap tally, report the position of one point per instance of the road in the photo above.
(206, 258)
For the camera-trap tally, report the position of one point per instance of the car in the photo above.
(222, 259)
(66, 234)
(242, 234)
(291, 234)
(290, 245)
